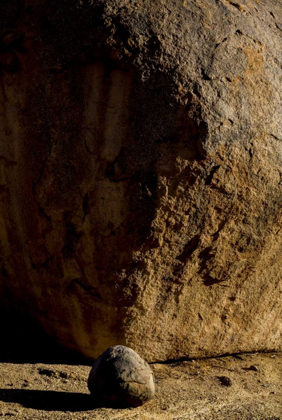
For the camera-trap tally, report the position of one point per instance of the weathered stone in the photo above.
(140, 174)
(121, 377)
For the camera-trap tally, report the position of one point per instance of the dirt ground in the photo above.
(247, 386)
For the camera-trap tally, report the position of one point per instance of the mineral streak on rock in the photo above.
(122, 378)
(140, 173)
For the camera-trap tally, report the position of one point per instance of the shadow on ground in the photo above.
(55, 400)
(49, 400)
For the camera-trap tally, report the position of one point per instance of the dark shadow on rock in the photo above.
(157, 130)
(24, 341)
(50, 400)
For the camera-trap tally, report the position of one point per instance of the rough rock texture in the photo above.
(120, 376)
(140, 165)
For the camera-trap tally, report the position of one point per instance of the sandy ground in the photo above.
(248, 386)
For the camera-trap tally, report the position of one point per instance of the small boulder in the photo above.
(120, 377)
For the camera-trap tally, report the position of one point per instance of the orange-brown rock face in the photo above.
(140, 173)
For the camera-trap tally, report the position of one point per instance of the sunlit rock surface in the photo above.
(140, 173)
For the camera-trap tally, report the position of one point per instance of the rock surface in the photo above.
(140, 173)
(120, 376)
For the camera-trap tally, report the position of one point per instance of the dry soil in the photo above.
(246, 386)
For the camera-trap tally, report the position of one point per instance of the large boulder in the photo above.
(141, 180)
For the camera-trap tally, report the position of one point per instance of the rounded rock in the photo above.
(121, 377)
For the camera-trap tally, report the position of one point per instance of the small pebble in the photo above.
(254, 368)
(47, 372)
(120, 377)
(225, 381)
